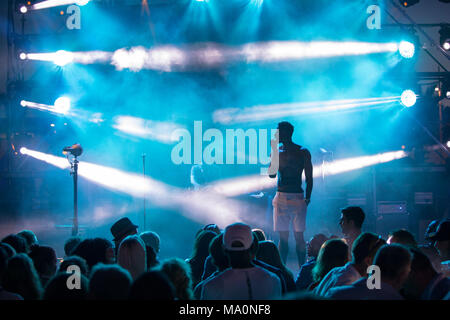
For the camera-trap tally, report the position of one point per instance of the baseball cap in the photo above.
(237, 237)
(442, 232)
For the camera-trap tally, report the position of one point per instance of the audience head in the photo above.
(18, 243)
(152, 285)
(132, 255)
(268, 253)
(219, 258)
(21, 277)
(332, 254)
(201, 245)
(352, 219)
(366, 247)
(394, 261)
(10, 251)
(259, 234)
(3, 262)
(212, 227)
(45, 262)
(57, 288)
(402, 236)
(29, 237)
(97, 250)
(239, 244)
(70, 245)
(151, 239)
(421, 274)
(179, 273)
(285, 131)
(441, 239)
(121, 229)
(314, 244)
(74, 261)
(109, 282)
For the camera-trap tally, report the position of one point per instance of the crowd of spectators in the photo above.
(234, 263)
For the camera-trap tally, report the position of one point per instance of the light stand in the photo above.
(76, 151)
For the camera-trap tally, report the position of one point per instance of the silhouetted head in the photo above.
(57, 288)
(151, 239)
(121, 229)
(70, 245)
(97, 250)
(74, 261)
(268, 252)
(285, 131)
(332, 254)
(152, 285)
(179, 273)
(394, 261)
(21, 277)
(314, 244)
(352, 219)
(421, 274)
(219, 258)
(109, 282)
(10, 251)
(132, 255)
(403, 237)
(240, 245)
(29, 237)
(366, 247)
(18, 243)
(44, 259)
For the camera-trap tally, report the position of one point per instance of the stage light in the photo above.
(57, 3)
(22, 56)
(408, 3)
(448, 144)
(23, 150)
(23, 103)
(248, 184)
(23, 9)
(444, 37)
(283, 110)
(62, 58)
(197, 205)
(408, 98)
(147, 129)
(62, 105)
(406, 49)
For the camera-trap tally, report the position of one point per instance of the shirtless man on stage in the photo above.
(290, 202)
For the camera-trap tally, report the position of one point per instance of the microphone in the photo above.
(76, 150)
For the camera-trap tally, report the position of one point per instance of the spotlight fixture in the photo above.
(23, 8)
(444, 34)
(408, 3)
(406, 49)
(408, 98)
(22, 56)
(62, 105)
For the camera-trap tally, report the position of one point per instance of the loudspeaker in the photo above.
(385, 223)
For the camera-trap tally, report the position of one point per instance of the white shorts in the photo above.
(289, 207)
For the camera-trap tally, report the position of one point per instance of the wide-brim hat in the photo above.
(122, 228)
